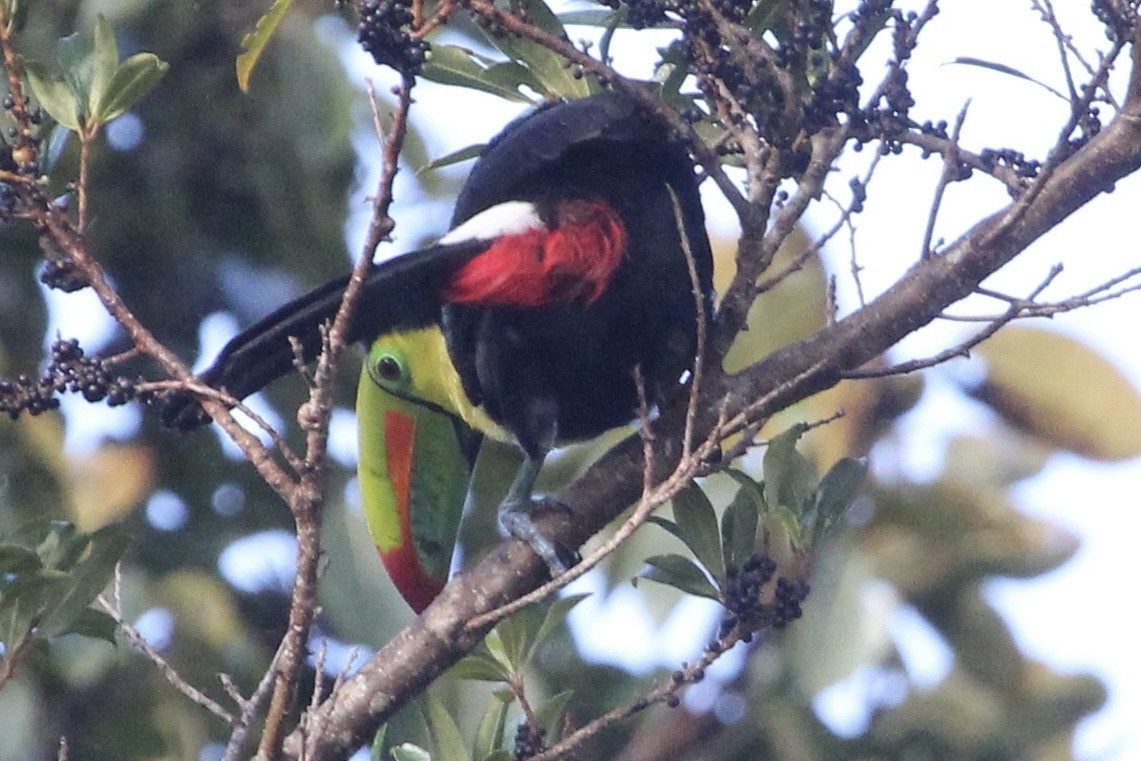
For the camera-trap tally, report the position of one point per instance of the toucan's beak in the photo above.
(418, 586)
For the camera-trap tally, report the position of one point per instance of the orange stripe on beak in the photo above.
(403, 562)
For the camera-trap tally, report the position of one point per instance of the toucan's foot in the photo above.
(515, 519)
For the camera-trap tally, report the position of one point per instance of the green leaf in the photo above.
(15, 558)
(410, 752)
(76, 54)
(53, 95)
(134, 78)
(376, 749)
(88, 578)
(837, 490)
(495, 648)
(740, 519)
(104, 63)
(598, 18)
(62, 545)
(96, 86)
(790, 479)
(489, 733)
(514, 633)
(442, 728)
(667, 524)
(678, 73)
(454, 65)
(94, 624)
(681, 573)
(1002, 68)
(787, 522)
(763, 15)
(550, 713)
(455, 157)
(554, 76)
(25, 598)
(255, 42)
(480, 667)
(556, 616)
(697, 524)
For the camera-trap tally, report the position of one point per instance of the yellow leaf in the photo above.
(106, 485)
(203, 606)
(792, 310)
(254, 43)
(1062, 392)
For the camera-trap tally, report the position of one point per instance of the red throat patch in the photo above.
(571, 262)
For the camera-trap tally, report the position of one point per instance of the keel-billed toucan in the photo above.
(565, 271)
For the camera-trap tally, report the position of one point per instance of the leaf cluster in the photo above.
(501, 660)
(96, 86)
(784, 517)
(49, 581)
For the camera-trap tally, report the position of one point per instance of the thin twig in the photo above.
(1061, 150)
(699, 299)
(961, 350)
(951, 171)
(249, 708)
(307, 498)
(665, 692)
(113, 607)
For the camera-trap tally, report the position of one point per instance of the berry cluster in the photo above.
(1116, 17)
(717, 59)
(644, 14)
(18, 154)
(382, 34)
(789, 595)
(1025, 168)
(807, 30)
(888, 119)
(859, 194)
(9, 201)
(62, 275)
(838, 94)
(68, 370)
(529, 741)
(1089, 124)
(744, 597)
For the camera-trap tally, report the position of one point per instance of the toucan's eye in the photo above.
(389, 369)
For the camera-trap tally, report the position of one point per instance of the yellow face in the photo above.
(415, 365)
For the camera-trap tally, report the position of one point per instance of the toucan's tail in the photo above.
(401, 293)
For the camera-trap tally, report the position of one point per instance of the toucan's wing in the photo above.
(400, 293)
(542, 143)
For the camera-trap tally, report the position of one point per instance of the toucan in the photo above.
(576, 264)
